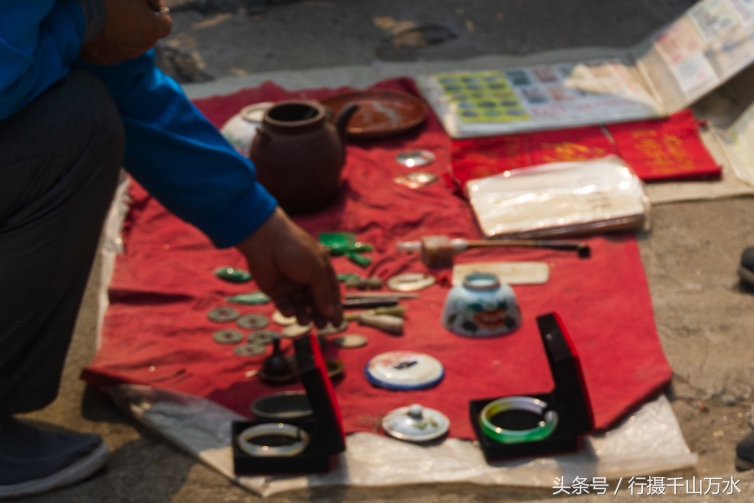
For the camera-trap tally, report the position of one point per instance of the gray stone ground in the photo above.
(703, 313)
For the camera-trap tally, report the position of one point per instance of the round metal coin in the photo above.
(223, 314)
(294, 331)
(262, 337)
(252, 321)
(410, 282)
(414, 158)
(250, 350)
(227, 336)
(283, 321)
(351, 341)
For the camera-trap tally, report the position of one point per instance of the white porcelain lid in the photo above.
(404, 370)
(416, 423)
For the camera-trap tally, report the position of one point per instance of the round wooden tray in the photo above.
(381, 112)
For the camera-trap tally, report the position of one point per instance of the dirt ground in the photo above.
(703, 313)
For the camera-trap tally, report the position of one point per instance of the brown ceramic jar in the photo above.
(299, 155)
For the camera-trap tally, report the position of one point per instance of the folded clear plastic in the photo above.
(560, 199)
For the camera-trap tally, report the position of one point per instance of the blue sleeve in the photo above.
(38, 42)
(180, 158)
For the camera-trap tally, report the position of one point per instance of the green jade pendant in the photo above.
(232, 274)
(251, 299)
(348, 277)
(344, 243)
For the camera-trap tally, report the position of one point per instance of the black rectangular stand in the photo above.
(325, 429)
(569, 399)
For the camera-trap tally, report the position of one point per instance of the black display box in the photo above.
(569, 399)
(325, 427)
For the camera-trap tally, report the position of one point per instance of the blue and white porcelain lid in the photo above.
(404, 370)
(416, 423)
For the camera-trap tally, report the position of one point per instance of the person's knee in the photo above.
(101, 119)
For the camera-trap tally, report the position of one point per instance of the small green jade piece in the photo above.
(232, 274)
(252, 299)
(337, 239)
(357, 247)
(358, 259)
(344, 243)
(348, 277)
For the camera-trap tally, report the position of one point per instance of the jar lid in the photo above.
(416, 423)
(404, 370)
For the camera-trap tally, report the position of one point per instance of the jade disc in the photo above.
(232, 274)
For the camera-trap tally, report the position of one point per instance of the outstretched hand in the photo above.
(294, 270)
(132, 28)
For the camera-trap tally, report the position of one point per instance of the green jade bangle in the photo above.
(526, 403)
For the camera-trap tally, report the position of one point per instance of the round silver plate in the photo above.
(410, 282)
(223, 314)
(253, 321)
(414, 158)
(227, 336)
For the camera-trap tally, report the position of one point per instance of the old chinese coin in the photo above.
(253, 321)
(250, 350)
(262, 337)
(232, 274)
(283, 321)
(350, 341)
(227, 336)
(223, 314)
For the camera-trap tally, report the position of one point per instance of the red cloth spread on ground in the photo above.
(657, 150)
(156, 330)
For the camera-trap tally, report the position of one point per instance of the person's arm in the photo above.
(180, 158)
(183, 161)
(38, 42)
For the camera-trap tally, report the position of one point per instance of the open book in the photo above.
(665, 73)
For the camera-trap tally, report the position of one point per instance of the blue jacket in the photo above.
(171, 149)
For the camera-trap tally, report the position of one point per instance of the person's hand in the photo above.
(132, 28)
(294, 270)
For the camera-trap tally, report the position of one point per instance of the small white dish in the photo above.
(404, 370)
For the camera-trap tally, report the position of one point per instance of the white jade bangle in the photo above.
(273, 429)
